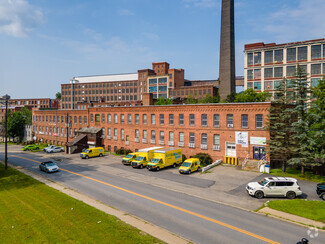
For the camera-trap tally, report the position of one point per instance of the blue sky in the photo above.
(45, 43)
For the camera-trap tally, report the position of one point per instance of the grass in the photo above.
(309, 209)
(32, 212)
(296, 173)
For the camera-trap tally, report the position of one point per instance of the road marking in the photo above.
(168, 205)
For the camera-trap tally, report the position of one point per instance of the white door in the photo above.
(230, 149)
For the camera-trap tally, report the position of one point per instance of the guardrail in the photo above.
(231, 160)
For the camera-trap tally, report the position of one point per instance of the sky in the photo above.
(44, 43)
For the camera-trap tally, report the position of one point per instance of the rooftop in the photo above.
(106, 78)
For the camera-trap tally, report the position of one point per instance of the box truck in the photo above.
(144, 156)
(128, 159)
(165, 157)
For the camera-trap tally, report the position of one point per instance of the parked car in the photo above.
(321, 190)
(190, 165)
(274, 186)
(30, 148)
(52, 149)
(49, 167)
(93, 152)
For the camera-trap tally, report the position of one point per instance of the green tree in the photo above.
(164, 101)
(58, 96)
(250, 95)
(27, 114)
(16, 125)
(280, 119)
(300, 95)
(191, 100)
(230, 98)
(316, 118)
(210, 99)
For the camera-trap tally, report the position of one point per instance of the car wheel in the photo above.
(259, 194)
(189, 172)
(198, 169)
(158, 168)
(322, 196)
(100, 155)
(291, 195)
(174, 165)
(141, 166)
(87, 157)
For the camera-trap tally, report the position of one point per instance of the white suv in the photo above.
(274, 186)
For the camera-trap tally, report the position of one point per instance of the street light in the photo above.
(6, 98)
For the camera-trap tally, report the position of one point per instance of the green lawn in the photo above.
(309, 209)
(32, 212)
(296, 173)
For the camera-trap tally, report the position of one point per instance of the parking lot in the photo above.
(224, 184)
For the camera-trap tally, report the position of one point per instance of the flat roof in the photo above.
(106, 78)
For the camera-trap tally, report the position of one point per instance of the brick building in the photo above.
(218, 129)
(267, 64)
(35, 102)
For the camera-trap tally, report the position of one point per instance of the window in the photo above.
(162, 80)
(192, 137)
(204, 120)
(91, 117)
(152, 81)
(103, 118)
(181, 136)
(137, 118)
(250, 74)
(257, 85)
(80, 120)
(250, 85)
(144, 119)
(192, 119)
(316, 69)
(316, 51)
(153, 135)
(244, 120)
(161, 119)
(268, 72)
(257, 58)
(230, 120)
(302, 53)
(171, 119)
(115, 118)
(291, 54)
(278, 56)
(291, 70)
(115, 132)
(278, 72)
(109, 131)
(153, 119)
(162, 136)
(268, 85)
(204, 139)
(109, 118)
(257, 74)
(122, 119)
(136, 133)
(314, 82)
(259, 121)
(85, 119)
(122, 134)
(268, 59)
(249, 58)
(181, 119)
(129, 118)
(216, 140)
(216, 120)
(324, 68)
(144, 134)
(171, 136)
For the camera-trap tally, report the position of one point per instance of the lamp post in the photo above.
(6, 98)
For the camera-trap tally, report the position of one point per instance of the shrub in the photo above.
(205, 159)
(123, 151)
(183, 157)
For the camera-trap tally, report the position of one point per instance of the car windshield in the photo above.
(186, 164)
(155, 160)
(86, 151)
(129, 156)
(263, 182)
(139, 158)
(50, 164)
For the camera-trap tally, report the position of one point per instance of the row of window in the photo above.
(171, 119)
(108, 98)
(191, 92)
(100, 85)
(59, 119)
(293, 54)
(112, 91)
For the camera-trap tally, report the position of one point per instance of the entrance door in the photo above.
(230, 149)
(258, 153)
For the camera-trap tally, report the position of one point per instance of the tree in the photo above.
(164, 101)
(27, 114)
(316, 118)
(210, 99)
(16, 125)
(300, 95)
(191, 100)
(280, 119)
(58, 96)
(230, 98)
(250, 95)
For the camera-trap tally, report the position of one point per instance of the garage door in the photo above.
(231, 149)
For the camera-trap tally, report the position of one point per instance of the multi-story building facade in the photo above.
(217, 129)
(267, 64)
(35, 103)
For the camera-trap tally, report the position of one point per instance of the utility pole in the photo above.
(6, 98)
(67, 131)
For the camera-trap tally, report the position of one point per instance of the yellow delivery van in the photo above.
(144, 156)
(127, 160)
(190, 165)
(93, 152)
(165, 157)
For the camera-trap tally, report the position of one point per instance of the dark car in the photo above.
(321, 190)
(49, 167)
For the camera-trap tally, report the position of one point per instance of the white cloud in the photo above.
(201, 3)
(302, 22)
(125, 12)
(151, 36)
(18, 18)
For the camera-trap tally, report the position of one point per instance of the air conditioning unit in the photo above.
(230, 125)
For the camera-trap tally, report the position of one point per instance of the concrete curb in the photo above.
(136, 222)
(290, 217)
(211, 165)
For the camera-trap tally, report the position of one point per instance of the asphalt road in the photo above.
(196, 219)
